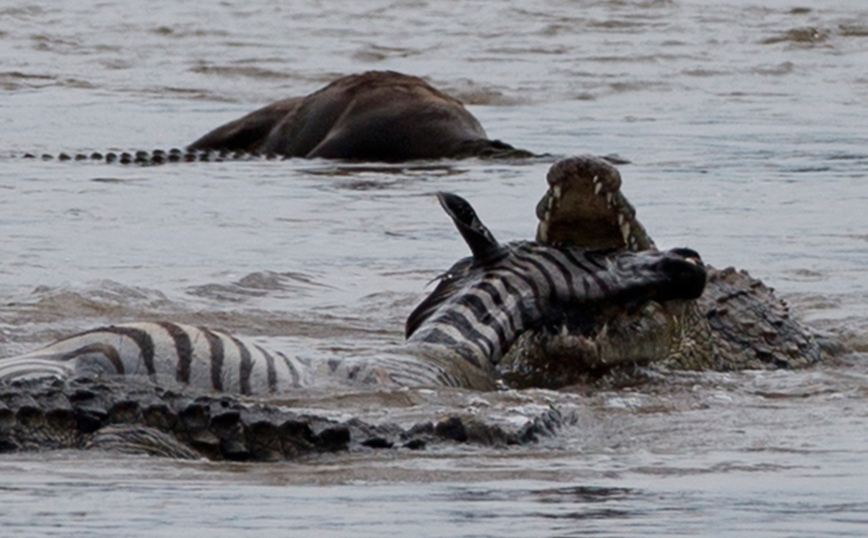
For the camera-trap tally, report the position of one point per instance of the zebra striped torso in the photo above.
(174, 353)
(454, 337)
(164, 352)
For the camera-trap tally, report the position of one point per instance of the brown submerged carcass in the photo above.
(736, 324)
(379, 116)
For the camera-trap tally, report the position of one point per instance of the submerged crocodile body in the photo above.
(373, 116)
(157, 156)
(139, 417)
(737, 323)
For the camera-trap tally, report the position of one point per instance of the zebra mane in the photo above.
(450, 283)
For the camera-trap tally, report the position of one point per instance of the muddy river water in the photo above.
(744, 124)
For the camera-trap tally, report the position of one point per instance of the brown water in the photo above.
(745, 124)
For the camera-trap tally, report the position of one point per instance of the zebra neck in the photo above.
(476, 342)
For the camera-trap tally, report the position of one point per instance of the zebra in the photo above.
(454, 337)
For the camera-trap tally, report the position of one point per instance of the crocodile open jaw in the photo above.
(584, 207)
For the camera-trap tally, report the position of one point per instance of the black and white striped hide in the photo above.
(454, 337)
(167, 353)
(483, 302)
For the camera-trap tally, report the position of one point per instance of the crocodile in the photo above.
(134, 416)
(737, 323)
(523, 284)
(381, 116)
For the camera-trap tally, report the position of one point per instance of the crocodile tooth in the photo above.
(564, 330)
(620, 219)
(556, 191)
(609, 197)
(625, 231)
(598, 185)
(543, 231)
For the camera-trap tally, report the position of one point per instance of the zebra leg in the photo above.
(584, 207)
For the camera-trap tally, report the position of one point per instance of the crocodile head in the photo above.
(584, 207)
(737, 323)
